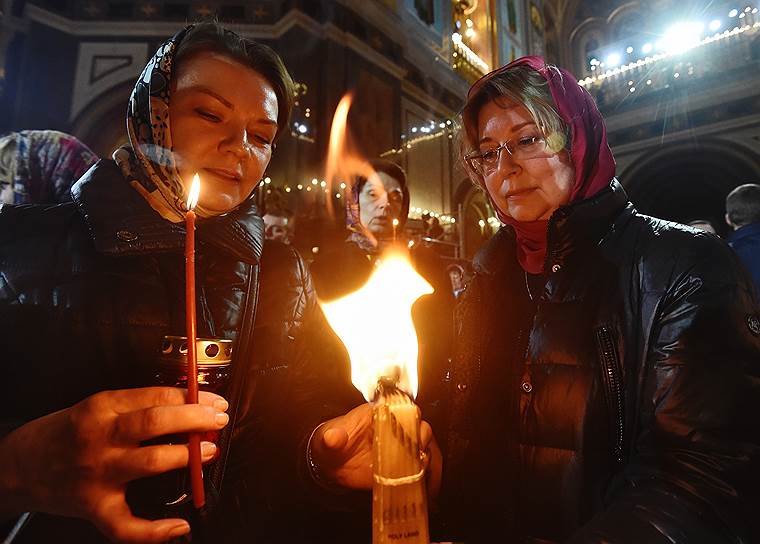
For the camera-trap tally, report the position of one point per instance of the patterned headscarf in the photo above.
(148, 162)
(40, 166)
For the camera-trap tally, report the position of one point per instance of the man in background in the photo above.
(743, 215)
(279, 226)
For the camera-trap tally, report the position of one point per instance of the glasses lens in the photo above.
(529, 147)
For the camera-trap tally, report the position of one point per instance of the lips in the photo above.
(226, 173)
(518, 193)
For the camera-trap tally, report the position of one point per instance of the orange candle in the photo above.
(194, 441)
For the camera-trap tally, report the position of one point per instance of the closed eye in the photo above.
(208, 115)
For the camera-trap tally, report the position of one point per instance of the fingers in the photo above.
(116, 521)
(156, 421)
(153, 460)
(129, 400)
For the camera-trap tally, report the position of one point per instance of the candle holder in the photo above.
(169, 494)
(399, 498)
(214, 358)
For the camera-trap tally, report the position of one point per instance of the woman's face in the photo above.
(223, 121)
(380, 201)
(526, 189)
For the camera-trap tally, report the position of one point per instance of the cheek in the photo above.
(557, 180)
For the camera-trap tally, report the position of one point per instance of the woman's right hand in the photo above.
(78, 461)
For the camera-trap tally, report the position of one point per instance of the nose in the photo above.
(507, 166)
(236, 142)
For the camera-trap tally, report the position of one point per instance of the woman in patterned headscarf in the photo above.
(89, 290)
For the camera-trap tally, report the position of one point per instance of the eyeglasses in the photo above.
(524, 147)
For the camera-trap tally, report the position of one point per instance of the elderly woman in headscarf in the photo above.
(90, 291)
(606, 384)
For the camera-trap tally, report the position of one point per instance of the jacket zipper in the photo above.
(613, 388)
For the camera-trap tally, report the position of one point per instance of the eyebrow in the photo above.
(228, 104)
(514, 129)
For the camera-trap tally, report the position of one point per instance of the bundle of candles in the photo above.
(399, 501)
(385, 371)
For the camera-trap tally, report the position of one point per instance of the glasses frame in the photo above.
(509, 145)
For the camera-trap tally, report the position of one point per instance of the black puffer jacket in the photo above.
(621, 405)
(89, 289)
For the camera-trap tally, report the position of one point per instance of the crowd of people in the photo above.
(594, 377)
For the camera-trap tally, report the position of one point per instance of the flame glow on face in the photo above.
(375, 324)
(195, 191)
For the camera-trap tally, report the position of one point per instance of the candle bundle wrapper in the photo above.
(399, 500)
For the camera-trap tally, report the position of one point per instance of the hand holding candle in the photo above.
(194, 441)
(383, 351)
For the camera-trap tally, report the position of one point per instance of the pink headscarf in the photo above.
(590, 152)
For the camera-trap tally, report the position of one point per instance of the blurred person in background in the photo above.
(40, 166)
(279, 226)
(743, 215)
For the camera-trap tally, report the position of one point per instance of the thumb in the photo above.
(335, 438)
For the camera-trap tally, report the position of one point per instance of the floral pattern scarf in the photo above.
(148, 162)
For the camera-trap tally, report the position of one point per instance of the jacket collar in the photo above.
(570, 227)
(747, 231)
(122, 223)
(584, 223)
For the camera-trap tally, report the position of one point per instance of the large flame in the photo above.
(375, 324)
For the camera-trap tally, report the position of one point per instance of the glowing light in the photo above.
(733, 13)
(629, 49)
(337, 195)
(342, 185)
(302, 129)
(267, 180)
(646, 48)
(682, 37)
(613, 60)
(481, 223)
(314, 181)
(299, 187)
(470, 33)
(715, 24)
(676, 75)
(287, 189)
(469, 23)
(384, 341)
(323, 183)
(195, 191)
(632, 89)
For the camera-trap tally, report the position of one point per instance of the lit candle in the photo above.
(194, 440)
(395, 224)
(384, 369)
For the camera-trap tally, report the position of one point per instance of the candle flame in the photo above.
(195, 191)
(375, 324)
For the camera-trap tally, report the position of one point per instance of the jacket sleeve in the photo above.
(693, 474)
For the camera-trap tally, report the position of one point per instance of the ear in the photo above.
(728, 222)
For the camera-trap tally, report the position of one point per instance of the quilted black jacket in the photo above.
(621, 403)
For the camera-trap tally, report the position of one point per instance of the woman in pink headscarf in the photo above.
(606, 385)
